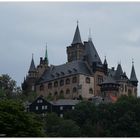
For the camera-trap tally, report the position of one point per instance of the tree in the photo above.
(68, 128)
(8, 86)
(15, 122)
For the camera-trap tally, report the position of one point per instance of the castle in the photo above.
(83, 76)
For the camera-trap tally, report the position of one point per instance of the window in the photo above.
(61, 115)
(67, 91)
(49, 85)
(56, 93)
(87, 80)
(36, 107)
(74, 90)
(74, 80)
(39, 101)
(55, 84)
(73, 107)
(43, 107)
(67, 81)
(90, 91)
(41, 87)
(46, 107)
(125, 88)
(99, 79)
(61, 107)
(61, 82)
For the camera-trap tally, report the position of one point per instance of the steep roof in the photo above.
(133, 76)
(77, 37)
(32, 65)
(91, 53)
(70, 68)
(118, 72)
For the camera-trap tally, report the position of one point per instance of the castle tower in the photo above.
(76, 50)
(109, 89)
(32, 69)
(133, 77)
(118, 72)
(43, 64)
(105, 65)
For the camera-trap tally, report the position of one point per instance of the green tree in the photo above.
(68, 128)
(15, 122)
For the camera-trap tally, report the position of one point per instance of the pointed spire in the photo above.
(89, 37)
(105, 61)
(46, 55)
(133, 77)
(32, 66)
(119, 72)
(77, 37)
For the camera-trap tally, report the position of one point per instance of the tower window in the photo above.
(74, 89)
(74, 80)
(55, 84)
(41, 87)
(61, 82)
(90, 91)
(99, 79)
(67, 81)
(87, 80)
(49, 85)
(67, 91)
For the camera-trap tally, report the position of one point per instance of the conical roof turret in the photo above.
(32, 65)
(77, 37)
(118, 72)
(133, 77)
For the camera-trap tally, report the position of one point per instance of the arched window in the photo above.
(67, 91)
(56, 93)
(41, 87)
(74, 90)
(74, 80)
(90, 91)
(67, 81)
(49, 85)
(87, 80)
(61, 94)
(55, 84)
(61, 82)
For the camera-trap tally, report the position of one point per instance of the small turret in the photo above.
(105, 65)
(133, 77)
(118, 72)
(32, 65)
(77, 37)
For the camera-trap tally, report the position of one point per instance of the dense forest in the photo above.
(120, 119)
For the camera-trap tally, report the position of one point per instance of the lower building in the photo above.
(42, 106)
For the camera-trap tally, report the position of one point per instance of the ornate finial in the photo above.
(77, 22)
(32, 55)
(105, 56)
(132, 61)
(89, 38)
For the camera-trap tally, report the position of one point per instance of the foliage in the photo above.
(15, 122)
(8, 87)
(58, 127)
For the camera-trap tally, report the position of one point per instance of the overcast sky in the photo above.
(26, 27)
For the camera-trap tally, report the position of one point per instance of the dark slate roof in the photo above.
(118, 72)
(64, 102)
(109, 80)
(32, 65)
(77, 37)
(91, 53)
(70, 68)
(111, 72)
(105, 62)
(133, 76)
